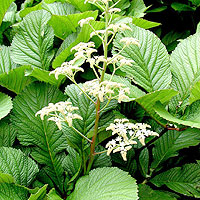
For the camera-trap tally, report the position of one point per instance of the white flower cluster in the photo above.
(129, 40)
(59, 112)
(127, 133)
(97, 1)
(85, 21)
(106, 89)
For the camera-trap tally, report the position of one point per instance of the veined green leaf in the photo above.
(43, 75)
(15, 80)
(6, 63)
(42, 135)
(195, 93)
(21, 167)
(184, 180)
(63, 25)
(146, 193)
(10, 14)
(81, 5)
(107, 184)
(52, 195)
(4, 7)
(40, 194)
(144, 162)
(7, 134)
(83, 36)
(185, 65)
(192, 121)
(11, 191)
(171, 142)
(182, 7)
(148, 101)
(86, 111)
(143, 23)
(150, 69)
(32, 44)
(6, 105)
(6, 178)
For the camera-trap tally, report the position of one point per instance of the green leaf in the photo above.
(86, 111)
(143, 23)
(32, 44)
(182, 7)
(195, 93)
(21, 167)
(148, 101)
(81, 5)
(10, 14)
(70, 21)
(185, 65)
(11, 191)
(171, 142)
(15, 80)
(52, 195)
(7, 134)
(137, 9)
(184, 180)
(6, 105)
(43, 75)
(6, 178)
(192, 121)
(74, 39)
(147, 193)
(150, 69)
(144, 162)
(5, 4)
(6, 63)
(42, 135)
(105, 183)
(40, 194)
(158, 9)
(195, 2)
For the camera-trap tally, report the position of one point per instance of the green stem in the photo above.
(81, 134)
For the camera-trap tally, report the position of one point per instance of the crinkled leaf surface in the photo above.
(6, 63)
(42, 135)
(184, 180)
(70, 21)
(171, 142)
(4, 7)
(6, 105)
(7, 134)
(10, 14)
(11, 191)
(195, 93)
(21, 167)
(32, 44)
(107, 184)
(150, 69)
(185, 65)
(15, 80)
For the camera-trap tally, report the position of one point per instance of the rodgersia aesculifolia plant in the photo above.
(100, 90)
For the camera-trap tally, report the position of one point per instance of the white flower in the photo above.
(59, 112)
(119, 27)
(129, 40)
(114, 10)
(85, 21)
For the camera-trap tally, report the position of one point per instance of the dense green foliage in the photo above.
(39, 160)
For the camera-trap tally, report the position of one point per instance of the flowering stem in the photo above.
(97, 153)
(105, 105)
(81, 134)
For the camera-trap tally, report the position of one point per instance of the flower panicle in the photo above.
(127, 134)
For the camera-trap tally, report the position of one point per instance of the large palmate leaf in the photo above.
(184, 180)
(185, 65)
(150, 69)
(4, 7)
(148, 101)
(6, 105)
(146, 193)
(170, 143)
(15, 80)
(70, 21)
(74, 39)
(107, 184)
(17, 164)
(86, 111)
(191, 120)
(42, 135)
(7, 134)
(11, 191)
(6, 63)
(33, 42)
